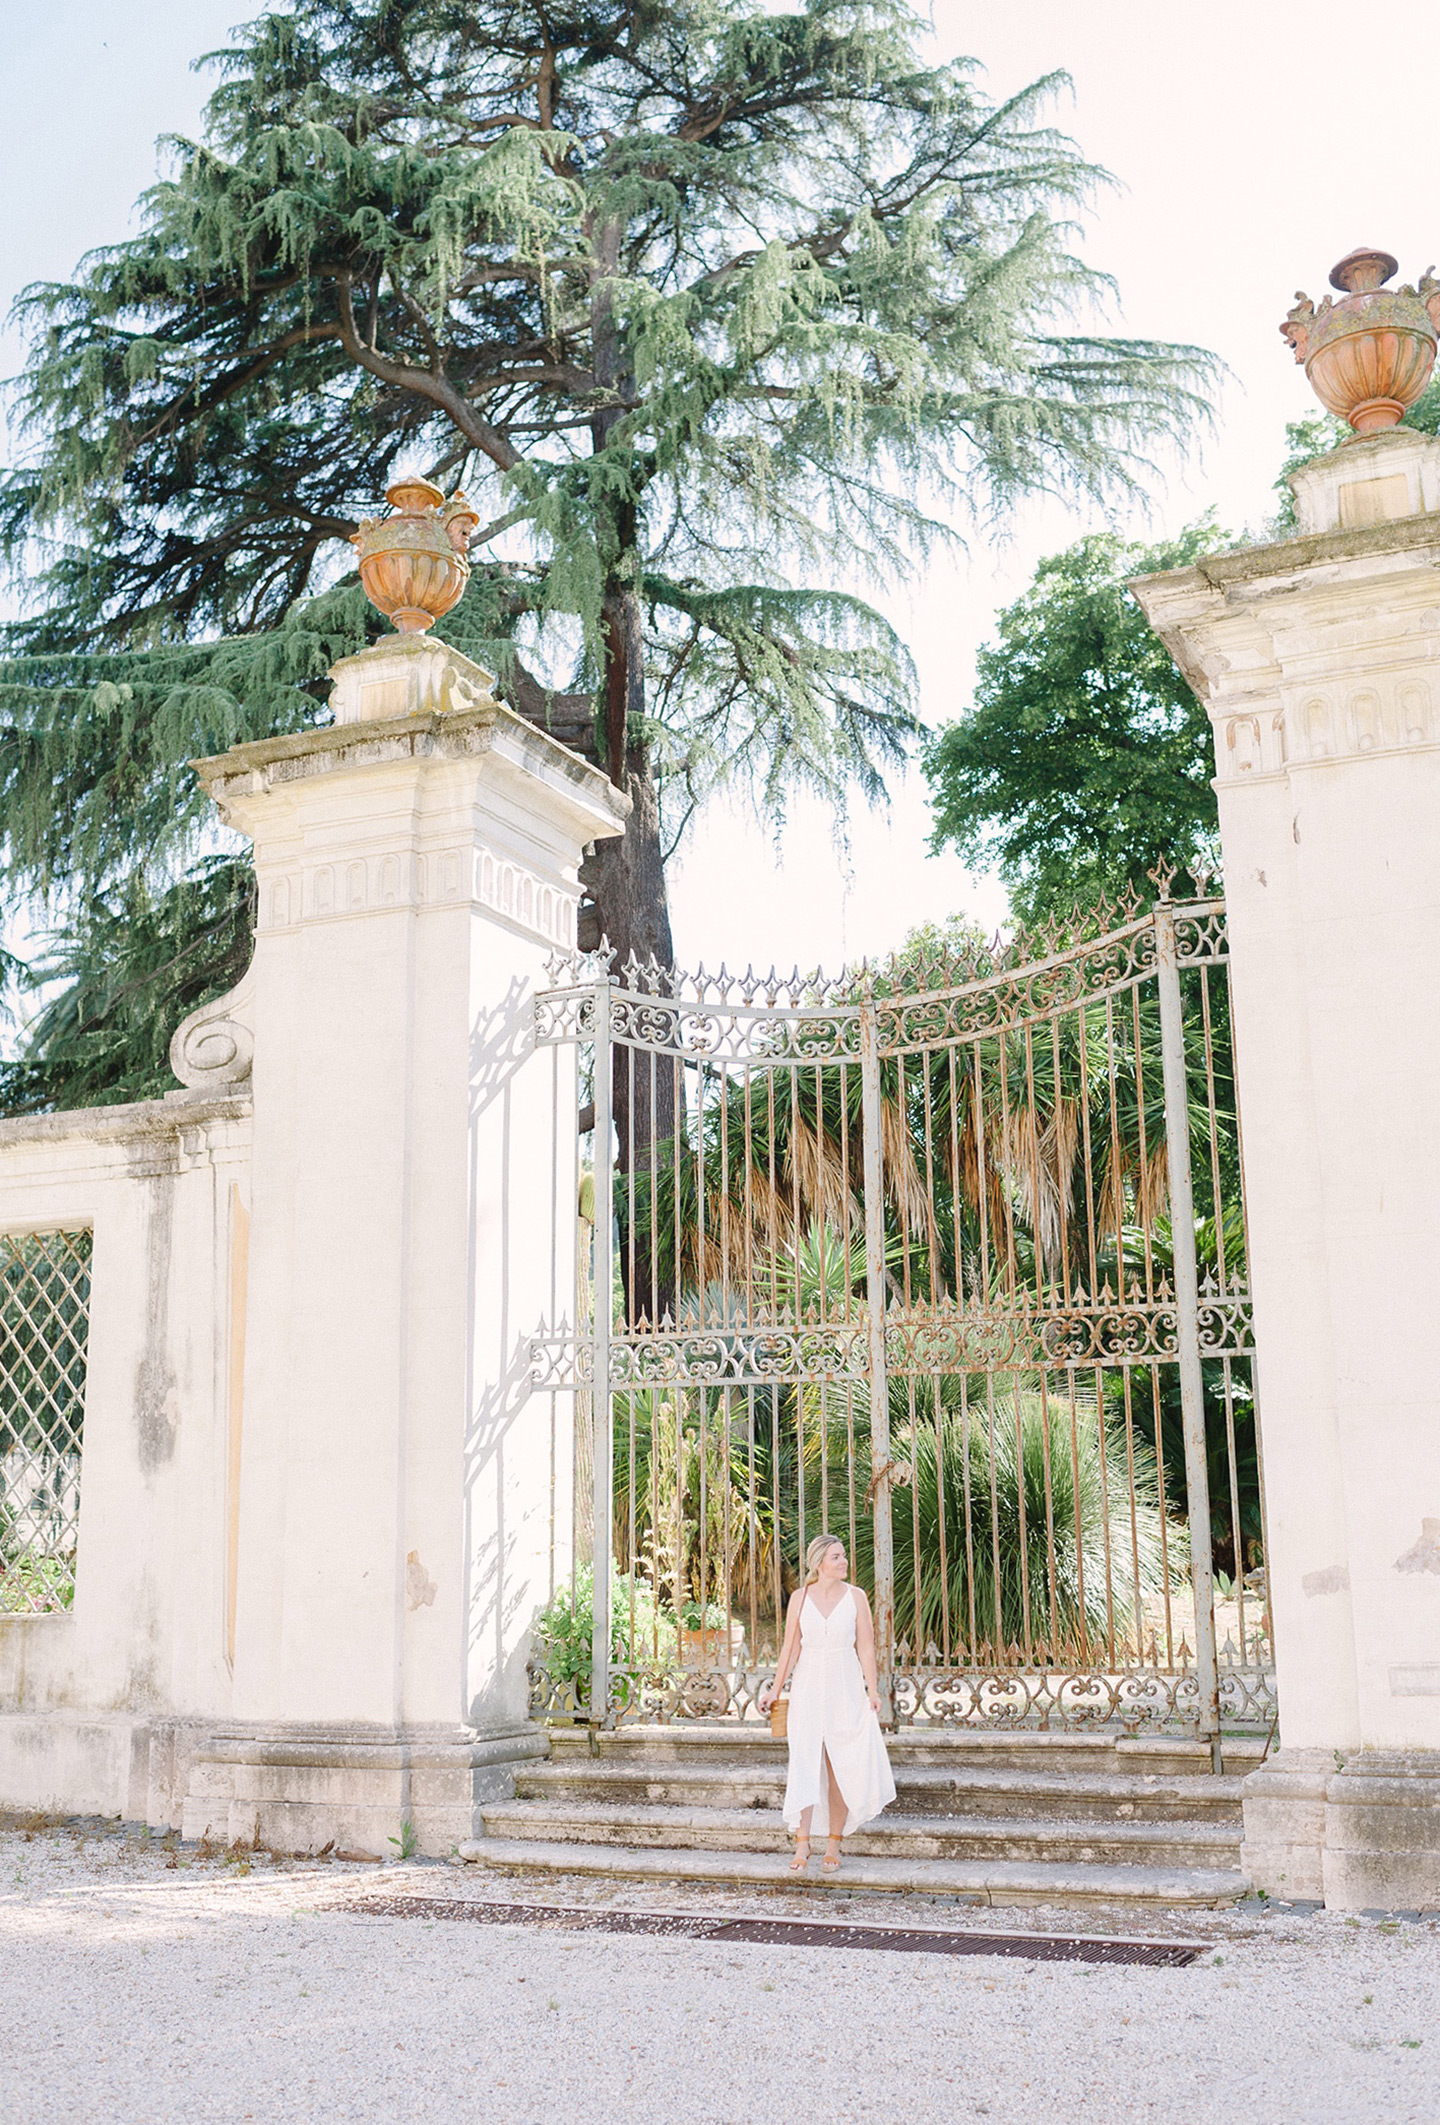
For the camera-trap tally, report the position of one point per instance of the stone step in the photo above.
(1000, 1882)
(922, 1789)
(892, 1836)
(1010, 1748)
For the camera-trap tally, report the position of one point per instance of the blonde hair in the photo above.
(815, 1552)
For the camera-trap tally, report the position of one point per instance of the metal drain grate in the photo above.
(789, 1932)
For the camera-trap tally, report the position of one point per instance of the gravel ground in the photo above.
(145, 1982)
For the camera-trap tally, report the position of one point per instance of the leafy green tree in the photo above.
(1085, 756)
(706, 305)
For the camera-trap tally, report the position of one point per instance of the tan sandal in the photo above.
(802, 1859)
(831, 1865)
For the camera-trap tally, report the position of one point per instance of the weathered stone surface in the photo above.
(1317, 659)
(1284, 1804)
(1382, 1832)
(96, 1704)
(1018, 1883)
(303, 1788)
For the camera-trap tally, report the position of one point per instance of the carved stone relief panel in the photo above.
(507, 888)
(1417, 720)
(1242, 742)
(1373, 719)
(1367, 722)
(1317, 728)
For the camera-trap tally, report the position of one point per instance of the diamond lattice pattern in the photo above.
(44, 1330)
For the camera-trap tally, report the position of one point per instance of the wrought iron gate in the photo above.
(945, 1256)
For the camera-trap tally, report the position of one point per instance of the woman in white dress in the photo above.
(839, 1770)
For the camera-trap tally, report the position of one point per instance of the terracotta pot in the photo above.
(412, 564)
(1368, 357)
(721, 1643)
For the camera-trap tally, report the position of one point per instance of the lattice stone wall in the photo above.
(44, 1332)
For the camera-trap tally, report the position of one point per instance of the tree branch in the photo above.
(424, 383)
(262, 358)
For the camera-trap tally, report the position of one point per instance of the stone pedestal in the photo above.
(1283, 1848)
(1382, 1832)
(411, 1223)
(279, 1787)
(1319, 662)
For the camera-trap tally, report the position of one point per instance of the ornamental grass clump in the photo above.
(1039, 1531)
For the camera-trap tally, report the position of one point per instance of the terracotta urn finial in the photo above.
(413, 565)
(1368, 356)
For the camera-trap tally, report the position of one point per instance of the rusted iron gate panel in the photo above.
(947, 1258)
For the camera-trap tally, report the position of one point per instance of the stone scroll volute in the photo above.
(213, 1049)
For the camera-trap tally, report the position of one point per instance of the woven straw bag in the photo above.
(780, 1719)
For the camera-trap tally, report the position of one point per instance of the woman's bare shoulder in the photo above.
(862, 1599)
(797, 1602)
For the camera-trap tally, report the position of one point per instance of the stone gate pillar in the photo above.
(1318, 660)
(411, 1222)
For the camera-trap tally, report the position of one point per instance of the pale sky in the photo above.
(1256, 141)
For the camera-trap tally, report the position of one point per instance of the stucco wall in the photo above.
(95, 1703)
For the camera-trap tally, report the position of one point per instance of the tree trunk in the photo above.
(624, 884)
(626, 880)
(627, 877)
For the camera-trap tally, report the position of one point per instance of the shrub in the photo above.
(1049, 1568)
(564, 1628)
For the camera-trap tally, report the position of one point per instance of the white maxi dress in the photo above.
(830, 1716)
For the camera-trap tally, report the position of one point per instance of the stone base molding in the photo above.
(122, 1764)
(1382, 1832)
(1282, 1853)
(351, 1788)
(1358, 1833)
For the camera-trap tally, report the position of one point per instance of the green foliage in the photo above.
(1010, 1512)
(1050, 1182)
(44, 1326)
(44, 1315)
(129, 966)
(407, 1844)
(1086, 757)
(1232, 1446)
(95, 781)
(704, 304)
(31, 1585)
(695, 1515)
(765, 279)
(565, 1626)
(1038, 1151)
(1015, 1510)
